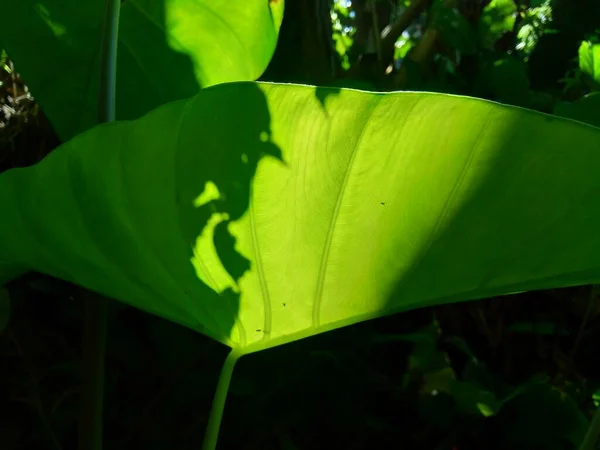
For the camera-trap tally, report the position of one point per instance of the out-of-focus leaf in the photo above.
(596, 397)
(439, 377)
(455, 29)
(536, 22)
(497, 18)
(542, 415)
(508, 81)
(473, 400)
(343, 44)
(402, 47)
(586, 110)
(547, 328)
(589, 61)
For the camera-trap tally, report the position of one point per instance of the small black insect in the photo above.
(284, 304)
(382, 203)
(258, 331)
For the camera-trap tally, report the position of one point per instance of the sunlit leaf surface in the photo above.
(260, 214)
(168, 49)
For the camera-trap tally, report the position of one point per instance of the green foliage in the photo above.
(343, 31)
(474, 393)
(536, 21)
(402, 47)
(496, 19)
(585, 110)
(456, 31)
(589, 62)
(431, 364)
(507, 80)
(243, 214)
(167, 51)
(545, 417)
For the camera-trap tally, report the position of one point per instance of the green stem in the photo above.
(108, 68)
(218, 406)
(92, 393)
(96, 306)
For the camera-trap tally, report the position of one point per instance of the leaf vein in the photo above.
(316, 312)
(268, 317)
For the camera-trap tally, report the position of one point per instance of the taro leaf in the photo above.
(259, 216)
(168, 49)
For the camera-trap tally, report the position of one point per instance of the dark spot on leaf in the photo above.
(258, 331)
(382, 203)
(284, 304)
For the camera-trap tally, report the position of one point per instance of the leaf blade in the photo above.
(435, 198)
(168, 49)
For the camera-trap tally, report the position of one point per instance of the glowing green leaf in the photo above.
(260, 214)
(168, 49)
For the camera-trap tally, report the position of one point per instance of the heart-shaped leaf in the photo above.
(260, 214)
(168, 49)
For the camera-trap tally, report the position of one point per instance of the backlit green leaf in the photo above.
(260, 214)
(589, 60)
(168, 49)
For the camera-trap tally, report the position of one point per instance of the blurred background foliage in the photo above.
(517, 372)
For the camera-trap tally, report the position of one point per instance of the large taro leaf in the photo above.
(259, 214)
(167, 50)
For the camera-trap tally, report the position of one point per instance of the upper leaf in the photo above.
(589, 61)
(260, 213)
(168, 49)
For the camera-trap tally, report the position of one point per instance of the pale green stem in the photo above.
(218, 406)
(108, 69)
(92, 389)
